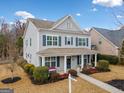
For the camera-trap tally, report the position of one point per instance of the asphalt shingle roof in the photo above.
(115, 36)
(42, 23)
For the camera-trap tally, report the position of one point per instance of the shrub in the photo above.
(72, 72)
(63, 76)
(103, 65)
(31, 70)
(54, 76)
(41, 74)
(27, 67)
(89, 71)
(112, 59)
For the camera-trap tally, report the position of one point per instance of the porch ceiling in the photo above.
(65, 51)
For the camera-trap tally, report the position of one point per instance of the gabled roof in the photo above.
(50, 24)
(115, 36)
(42, 23)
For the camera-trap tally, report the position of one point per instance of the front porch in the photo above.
(66, 59)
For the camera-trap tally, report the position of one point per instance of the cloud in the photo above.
(1, 17)
(78, 14)
(120, 16)
(108, 3)
(24, 14)
(45, 19)
(94, 9)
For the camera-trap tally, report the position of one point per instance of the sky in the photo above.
(87, 13)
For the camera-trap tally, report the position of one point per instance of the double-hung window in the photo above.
(55, 41)
(52, 40)
(68, 40)
(49, 40)
(83, 41)
(50, 61)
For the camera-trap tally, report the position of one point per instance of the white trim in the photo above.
(105, 38)
(65, 64)
(82, 61)
(52, 39)
(95, 60)
(62, 20)
(51, 61)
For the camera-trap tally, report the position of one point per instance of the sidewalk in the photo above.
(100, 84)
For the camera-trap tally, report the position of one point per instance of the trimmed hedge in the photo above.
(54, 76)
(110, 58)
(103, 65)
(41, 74)
(72, 72)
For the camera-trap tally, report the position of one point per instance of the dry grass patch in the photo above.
(117, 72)
(25, 85)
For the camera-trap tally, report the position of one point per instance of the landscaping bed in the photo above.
(25, 85)
(10, 80)
(102, 66)
(117, 83)
(43, 74)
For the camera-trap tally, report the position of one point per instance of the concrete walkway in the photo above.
(100, 84)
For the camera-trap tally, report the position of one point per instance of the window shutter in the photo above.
(44, 40)
(65, 40)
(87, 41)
(58, 61)
(77, 60)
(71, 40)
(59, 40)
(76, 41)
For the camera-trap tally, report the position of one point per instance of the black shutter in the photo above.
(58, 61)
(65, 40)
(60, 40)
(44, 40)
(76, 41)
(78, 60)
(87, 40)
(71, 40)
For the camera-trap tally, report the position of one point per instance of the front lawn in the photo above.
(117, 72)
(25, 85)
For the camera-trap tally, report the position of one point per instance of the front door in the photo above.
(69, 63)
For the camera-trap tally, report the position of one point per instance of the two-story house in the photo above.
(61, 44)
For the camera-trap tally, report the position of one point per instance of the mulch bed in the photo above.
(117, 83)
(10, 80)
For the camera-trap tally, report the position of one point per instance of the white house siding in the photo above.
(32, 33)
(65, 25)
(63, 35)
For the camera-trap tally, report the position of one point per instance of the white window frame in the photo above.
(50, 61)
(68, 40)
(52, 40)
(83, 41)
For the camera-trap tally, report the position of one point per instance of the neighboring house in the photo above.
(61, 44)
(107, 41)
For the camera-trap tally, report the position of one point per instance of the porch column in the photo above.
(95, 60)
(43, 61)
(65, 64)
(90, 59)
(82, 61)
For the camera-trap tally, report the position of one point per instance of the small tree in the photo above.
(11, 67)
(19, 44)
